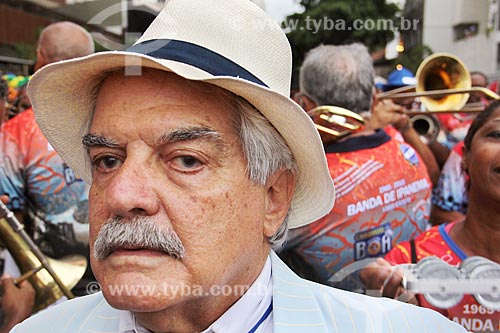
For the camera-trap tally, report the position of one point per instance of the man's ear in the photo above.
(280, 188)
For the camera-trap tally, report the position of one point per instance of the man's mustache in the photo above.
(137, 232)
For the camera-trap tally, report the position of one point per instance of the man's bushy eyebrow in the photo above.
(194, 133)
(178, 135)
(190, 133)
(94, 140)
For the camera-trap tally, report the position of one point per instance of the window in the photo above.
(465, 30)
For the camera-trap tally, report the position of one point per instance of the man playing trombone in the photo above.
(383, 187)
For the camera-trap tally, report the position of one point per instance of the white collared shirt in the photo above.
(246, 313)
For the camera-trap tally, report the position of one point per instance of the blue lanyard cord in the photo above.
(261, 320)
(453, 246)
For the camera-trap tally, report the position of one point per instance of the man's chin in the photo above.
(139, 292)
(139, 304)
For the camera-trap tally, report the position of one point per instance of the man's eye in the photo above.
(187, 162)
(106, 163)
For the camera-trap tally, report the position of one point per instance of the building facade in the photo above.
(469, 29)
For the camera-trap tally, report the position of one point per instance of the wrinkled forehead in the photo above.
(120, 86)
(160, 82)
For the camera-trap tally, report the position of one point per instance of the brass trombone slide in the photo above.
(19, 229)
(335, 121)
(35, 266)
(468, 108)
(437, 93)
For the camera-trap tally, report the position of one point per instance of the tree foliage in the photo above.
(314, 26)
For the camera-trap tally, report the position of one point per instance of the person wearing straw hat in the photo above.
(199, 162)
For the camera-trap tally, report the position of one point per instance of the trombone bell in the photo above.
(427, 126)
(443, 71)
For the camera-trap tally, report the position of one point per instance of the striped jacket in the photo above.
(299, 306)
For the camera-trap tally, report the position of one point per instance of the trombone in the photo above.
(443, 85)
(38, 269)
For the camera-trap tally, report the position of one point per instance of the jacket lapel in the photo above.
(295, 307)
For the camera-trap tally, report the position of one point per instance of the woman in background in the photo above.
(477, 234)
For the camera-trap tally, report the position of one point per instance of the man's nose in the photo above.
(132, 190)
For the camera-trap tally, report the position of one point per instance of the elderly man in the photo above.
(61, 41)
(199, 163)
(383, 188)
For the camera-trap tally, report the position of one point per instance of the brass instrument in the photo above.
(443, 72)
(37, 268)
(334, 123)
(427, 126)
(443, 85)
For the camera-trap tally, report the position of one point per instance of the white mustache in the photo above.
(139, 231)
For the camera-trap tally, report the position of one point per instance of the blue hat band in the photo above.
(194, 55)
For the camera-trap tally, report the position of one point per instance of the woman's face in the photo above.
(482, 161)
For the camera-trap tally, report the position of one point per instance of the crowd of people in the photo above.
(36, 184)
(206, 200)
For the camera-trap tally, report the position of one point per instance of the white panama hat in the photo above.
(229, 43)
